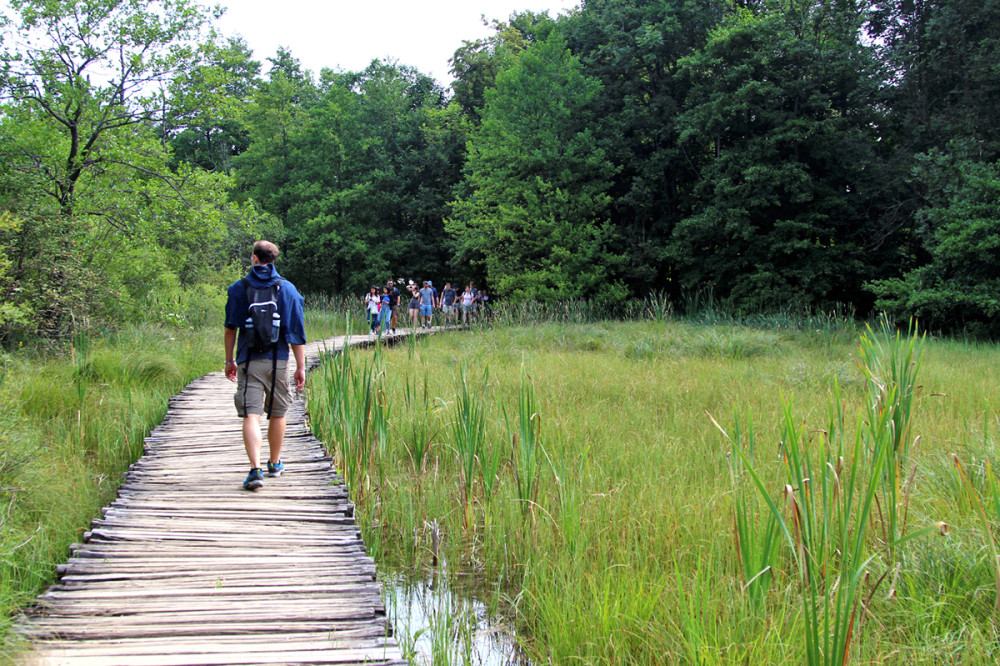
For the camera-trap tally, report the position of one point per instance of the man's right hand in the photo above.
(231, 371)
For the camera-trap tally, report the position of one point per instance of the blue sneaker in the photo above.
(254, 479)
(275, 469)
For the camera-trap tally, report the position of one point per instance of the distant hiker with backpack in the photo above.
(267, 312)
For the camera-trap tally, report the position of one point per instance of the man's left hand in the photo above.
(300, 378)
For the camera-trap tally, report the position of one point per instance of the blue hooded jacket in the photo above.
(290, 306)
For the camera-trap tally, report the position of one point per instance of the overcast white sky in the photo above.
(348, 34)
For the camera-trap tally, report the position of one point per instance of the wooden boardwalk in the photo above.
(186, 567)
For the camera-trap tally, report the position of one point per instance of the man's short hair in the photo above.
(265, 251)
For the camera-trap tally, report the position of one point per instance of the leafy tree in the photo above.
(359, 168)
(957, 285)
(945, 56)
(149, 233)
(942, 92)
(476, 63)
(206, 126)
(779, 127)
(40, 247)
(106, 229)
(275, 122)
(93, 68)
(634, 48)
(535, 215)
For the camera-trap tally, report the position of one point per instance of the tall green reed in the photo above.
(830, 498)
(469, 434)
(419, 433)
(757, 537)
(890, 364)
(354, 412)
(570, 498)
(525, 439)
(991, 540)
(700, 629)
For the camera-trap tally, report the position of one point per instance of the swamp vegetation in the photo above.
(683, 491)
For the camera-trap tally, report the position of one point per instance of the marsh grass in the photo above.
(469, 435)
(756, 531)
(833, 493)
(421, 433)
(634, 554)
(526, 444)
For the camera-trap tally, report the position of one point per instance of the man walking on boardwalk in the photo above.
(262, 376)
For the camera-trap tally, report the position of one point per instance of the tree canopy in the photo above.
(798, 154)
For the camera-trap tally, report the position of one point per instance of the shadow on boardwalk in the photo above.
(186, 567)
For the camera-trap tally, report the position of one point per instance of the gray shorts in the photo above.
(447, 309)
(253, 392)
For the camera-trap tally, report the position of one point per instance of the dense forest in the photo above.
(802, 154)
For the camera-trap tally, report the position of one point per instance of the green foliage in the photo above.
(89, 69)
(107, 228)
(536, 210)
(960, 233)
(205, 123)
(634, 49)
(475, 64)
(778, 125)
(944, 62)
(359, 169)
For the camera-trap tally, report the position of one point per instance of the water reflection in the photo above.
(439, 621)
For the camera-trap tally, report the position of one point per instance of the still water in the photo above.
(441, 621)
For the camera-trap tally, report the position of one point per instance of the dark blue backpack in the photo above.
(263, 323)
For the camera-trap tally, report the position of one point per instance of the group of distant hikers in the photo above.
(265, 322)
(383, 303)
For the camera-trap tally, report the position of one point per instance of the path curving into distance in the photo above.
(186, 567)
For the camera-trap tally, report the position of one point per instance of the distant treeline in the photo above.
(784, 155)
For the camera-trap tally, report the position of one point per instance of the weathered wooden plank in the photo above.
(304, 606)
(113, 629)
(334, 656)
(220, 645)
(126, 551)
(261, 586)
(357, 635)
(199, 579)
(257, 609)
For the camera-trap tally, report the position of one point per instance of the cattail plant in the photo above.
(757, 537)
(890, 368)
(355, 416)
(525, 440)
(824, 512)
(469, 434)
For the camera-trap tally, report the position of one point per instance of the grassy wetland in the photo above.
(668, 491)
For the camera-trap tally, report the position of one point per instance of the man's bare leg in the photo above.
(275, 438)
(251, 438)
